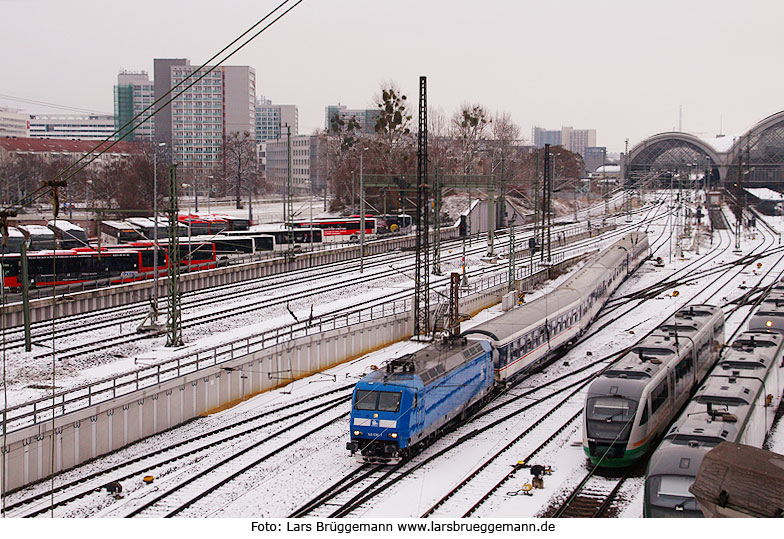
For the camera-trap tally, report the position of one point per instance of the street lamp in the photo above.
(87, 184)
(209, 193)
(155, 232)
(361, 213)
(250, 200)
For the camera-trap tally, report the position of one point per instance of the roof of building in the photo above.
(40, 145)
(763, 193)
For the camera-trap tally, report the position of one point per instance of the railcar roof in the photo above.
(698, 425)
(37, 229)
(429, 363)
(677, 459)
(532, 313)
(732, 389)
(647, 358)
(751, 351)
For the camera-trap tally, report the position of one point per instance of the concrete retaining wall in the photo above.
(106, 427)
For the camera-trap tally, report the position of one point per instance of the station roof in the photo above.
(763, 193)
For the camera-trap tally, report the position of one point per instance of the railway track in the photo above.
(478, 475)
(177, 454)
(336, 506)
(593, 496)
(107, 318)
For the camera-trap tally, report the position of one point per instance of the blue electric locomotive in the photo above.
(407, 403)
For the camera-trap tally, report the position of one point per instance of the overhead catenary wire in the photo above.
(52, 105)
(3, 454)
(89, 157)
(101, 148)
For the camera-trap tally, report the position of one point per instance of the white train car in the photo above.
(737, 403)
(525, 336)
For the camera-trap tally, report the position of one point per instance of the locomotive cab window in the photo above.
(389, 401)
(382, 401)
(366, 400)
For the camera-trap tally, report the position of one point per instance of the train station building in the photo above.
(758, 154)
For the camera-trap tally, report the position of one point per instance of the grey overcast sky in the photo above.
(621, 67)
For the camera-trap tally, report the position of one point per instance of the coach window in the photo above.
(644, 417)
(503, 354)
(659, 396)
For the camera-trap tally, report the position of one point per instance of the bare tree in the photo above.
(393, 140)
(239, 152)
(470, 128)
(336, 156)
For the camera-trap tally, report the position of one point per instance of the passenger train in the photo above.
(404, 406)
(737, 403)
(630, 405)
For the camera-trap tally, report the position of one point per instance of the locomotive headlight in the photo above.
(357, 433)
(769, 323)
(394, 435)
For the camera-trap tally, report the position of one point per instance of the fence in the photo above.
(40, 410)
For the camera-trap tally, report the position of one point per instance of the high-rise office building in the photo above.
(133, 93)
(196, 124)
(271, 120)
(366, 118)
(162, 76)
(303, 159)
(543, 136)
(574, 140)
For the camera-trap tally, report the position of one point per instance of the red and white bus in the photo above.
(340, 228)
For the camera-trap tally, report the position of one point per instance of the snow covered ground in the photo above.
(281, 487)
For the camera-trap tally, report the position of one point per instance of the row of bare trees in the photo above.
(471, 142)
(125, 185)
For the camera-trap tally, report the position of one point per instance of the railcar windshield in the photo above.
(382, 401)
(671, 492)
(677, 328)
(389, 401)
(740, 344)
(691, 440)
(652, 351)
(609, 418)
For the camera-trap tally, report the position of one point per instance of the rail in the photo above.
(71, 400)
(222, 261)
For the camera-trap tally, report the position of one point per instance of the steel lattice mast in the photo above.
(173, 326)
(422, 277)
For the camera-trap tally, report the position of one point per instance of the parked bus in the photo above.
(302, 237)
(39, 238)
(201, 225)
(146, 227)
(338, 228)
(65, 267)
(67, 234)
(393, 224)
(116, 232)
(234, 223)
(15, 241)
